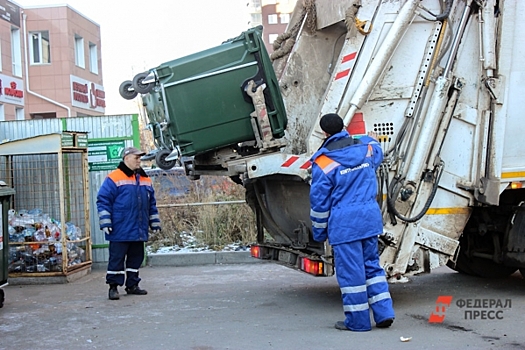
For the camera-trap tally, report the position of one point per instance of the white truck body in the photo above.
(442, 83)
(458, 82)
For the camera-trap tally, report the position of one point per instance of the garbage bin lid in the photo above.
(6, 191)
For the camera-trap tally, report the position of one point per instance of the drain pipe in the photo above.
(26, 66)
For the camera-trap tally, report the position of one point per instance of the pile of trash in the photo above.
(42, 251)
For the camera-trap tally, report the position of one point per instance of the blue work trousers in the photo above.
(125, 259)
(363, 284)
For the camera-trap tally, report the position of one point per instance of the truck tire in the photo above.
(139, 87)
(160, 159)
(126, 90)
(462, 265)
(480, 267)
(2, 297)
(489, 269)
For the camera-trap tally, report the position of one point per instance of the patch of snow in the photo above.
(190, 244)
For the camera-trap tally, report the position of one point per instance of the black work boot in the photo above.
(341, 326)
(385, 324)
(136, 290)
(113, 292)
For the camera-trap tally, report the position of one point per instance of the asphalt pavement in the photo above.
(253, 306)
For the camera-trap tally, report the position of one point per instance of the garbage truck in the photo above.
(441, 82)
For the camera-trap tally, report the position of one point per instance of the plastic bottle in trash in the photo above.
(71, 231)
(40, 235)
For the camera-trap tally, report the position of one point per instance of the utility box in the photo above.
(5, 198)
(204, 96)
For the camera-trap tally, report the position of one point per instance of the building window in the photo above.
(93, 58)
(50, 115)
(39, 47)
(2, 113)
(272, 37)
(272, 19)
(256, 18)
(285, 17)
(79, 52)
(256, 4)
(19, 114)
(16, 52)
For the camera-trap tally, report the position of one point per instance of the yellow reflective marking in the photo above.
(447, 211)
(443, 211)
(513, 174)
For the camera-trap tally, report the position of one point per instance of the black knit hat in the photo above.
(331, 123)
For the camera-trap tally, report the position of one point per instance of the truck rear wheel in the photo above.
(2, 297)
(489, 269)
(477, 266)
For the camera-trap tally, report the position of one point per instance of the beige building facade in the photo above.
(51, 63)
(273, 15)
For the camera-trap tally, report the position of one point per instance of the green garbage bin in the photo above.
(204, 94)
(5, 196)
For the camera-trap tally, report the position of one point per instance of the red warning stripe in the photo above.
(289, 162)
(342, 74)
(349, 57)
(345, 59)
(305, 165)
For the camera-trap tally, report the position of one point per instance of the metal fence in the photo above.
(102, 128)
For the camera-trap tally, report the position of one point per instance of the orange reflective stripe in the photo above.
(323, 161)
(118, 175)
(326, 164)
(145, 181)
(370, 151)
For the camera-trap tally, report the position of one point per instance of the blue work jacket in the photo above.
(126, 203)
(344, 189)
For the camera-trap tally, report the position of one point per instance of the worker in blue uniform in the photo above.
(127, 209)
(345, 211)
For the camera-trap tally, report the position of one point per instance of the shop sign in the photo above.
(67, 140)
(11, 90)
(10, 12)
(81, 140)
(87, 95)
(104, 155)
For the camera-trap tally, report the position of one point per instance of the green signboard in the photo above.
(67, 140)
(104, 155)
(81, 140)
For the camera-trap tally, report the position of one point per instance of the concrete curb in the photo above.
(200, 258)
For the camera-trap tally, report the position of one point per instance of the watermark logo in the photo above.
(442, 303)
(490, 308)
(475, 309)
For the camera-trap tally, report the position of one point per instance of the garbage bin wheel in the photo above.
(160, 159)
(127, 91)
(2, 297)
(139, 87)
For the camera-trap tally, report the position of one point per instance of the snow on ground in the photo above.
(192, 245)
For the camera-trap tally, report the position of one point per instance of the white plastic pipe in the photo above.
(378, 64)
(350, 105)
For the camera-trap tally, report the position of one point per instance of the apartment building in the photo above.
(273, 15)
(50, 63)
